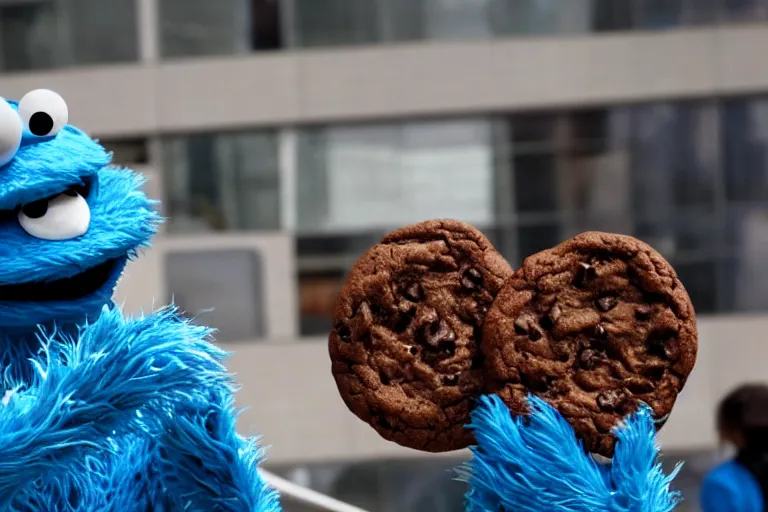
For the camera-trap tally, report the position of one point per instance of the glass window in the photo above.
(356, 182)
(227, 181)
(675, 158)
(575, 162)
(658, 14)
(336, 22)
(317, 299)
(744, 10)
(700, 12)
(384, 176)
(223, 27)
(455, 19)
(744, 273)
(62, 33)
(534, 131)
(324, 261)
(223, 289)
(594, 163)
(609, 15)
(538, 17)
(536, 182)
(526, 148)
(127, 151)
(745, 149)
(684, 234)
(345, 22)
(537, 237)
(700, 281)
(405, 20)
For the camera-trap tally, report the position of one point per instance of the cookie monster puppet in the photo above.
(100, 412)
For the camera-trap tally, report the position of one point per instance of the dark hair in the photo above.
(745, 411)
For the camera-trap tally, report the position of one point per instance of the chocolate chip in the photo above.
(639, 386)
(439, 333)
(672, 351)
(610, 400)
(661, 343)
(600, 332)
(548, 321)
(653, 372)
(521, 325)
(606, 304)
(589, 359)
(643, 312)
(536, 383)
(402, 320)
(471, 279)
(478, 317)
(414, 292)
(345, 334)
(525, 324)
(413, 350)
(584, 273)
(450, 380)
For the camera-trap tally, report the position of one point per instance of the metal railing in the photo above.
(295, 492)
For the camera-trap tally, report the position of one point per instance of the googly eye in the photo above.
(43, 112)
(10, 132)
(61, 217)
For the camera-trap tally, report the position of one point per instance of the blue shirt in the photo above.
(730, 487)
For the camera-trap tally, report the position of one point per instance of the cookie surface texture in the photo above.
(405, 344)
(593, 326)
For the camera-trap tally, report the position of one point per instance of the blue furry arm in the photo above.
(536, 464)
(203, 464)
(87, 389)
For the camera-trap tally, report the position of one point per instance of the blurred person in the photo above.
(741, 483)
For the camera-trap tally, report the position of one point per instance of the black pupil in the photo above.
(35, 210)
(40, 124)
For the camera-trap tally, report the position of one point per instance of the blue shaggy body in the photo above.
(536, 464)
(99, 412)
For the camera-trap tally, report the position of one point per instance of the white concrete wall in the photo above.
(404, 80)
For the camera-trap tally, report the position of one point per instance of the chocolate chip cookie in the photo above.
(405, 344)
(593, 326)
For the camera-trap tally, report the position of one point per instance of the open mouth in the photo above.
(68, 289)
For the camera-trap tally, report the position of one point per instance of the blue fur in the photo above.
(100, 412)
(536, 464)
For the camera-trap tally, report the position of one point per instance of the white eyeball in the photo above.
(61, 217)
(43, 112)
(10, 132)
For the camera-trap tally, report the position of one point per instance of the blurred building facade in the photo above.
(286, 136)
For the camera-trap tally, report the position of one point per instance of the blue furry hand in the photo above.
(536, 463)
(100, 385)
